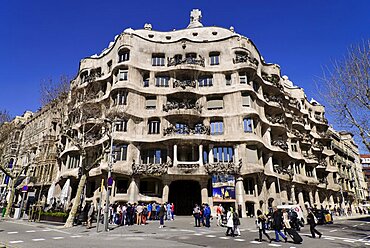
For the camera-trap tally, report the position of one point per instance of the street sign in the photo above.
(110, 182)
(24, 188)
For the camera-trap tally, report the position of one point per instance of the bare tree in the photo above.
(4, 117)
(345, 88)
(50, 90)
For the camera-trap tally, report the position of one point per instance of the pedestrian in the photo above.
(207, 215)
(161, 214)
(168, 210)
(149, 208)
(236, 222)
(219, 213)
(90, 214)
(144, 215)
(312, 221)
(286, 220)
(196, 214)
(261, 224)
(173, 211)
(230, 223)
(278, 225)
(139, 212)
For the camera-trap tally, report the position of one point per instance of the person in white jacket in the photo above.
(230, 222)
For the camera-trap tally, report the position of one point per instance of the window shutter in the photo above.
(151, 103)
(215, 104)
(252, 155)
(246, 101)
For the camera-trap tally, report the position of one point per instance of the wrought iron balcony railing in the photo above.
(185, 130)
(224, 167)
(184, 104)
(184, 84)
(185, 61)
(280, 143)
(151, 169)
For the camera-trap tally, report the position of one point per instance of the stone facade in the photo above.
(198, 102)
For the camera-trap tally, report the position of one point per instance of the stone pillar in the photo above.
(174, 154)
(317, 199)
(133, 190)
(204, 191)
(138, 158)
(200, 161)
(269, 167)
(239, 195)
(236, 154)
(310, 194)
(293, 194)
(166, 190)
(314, 173)
(210, 154)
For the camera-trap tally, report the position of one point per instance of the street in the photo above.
(178, 233)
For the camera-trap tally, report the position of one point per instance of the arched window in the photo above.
(123, 55)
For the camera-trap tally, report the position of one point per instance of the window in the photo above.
(109, 65)
(243, 79)
(122, 186)
(205, 81)
(214, 58)
(249, 186)
(122, 75)
(121, 126)
(158, 59)
(217, 127)
(120, 152)
(223, 154)
(213, 104)
(151, 102)
(162, 81)
(297, 168)
(309, 171)
(249, 125)
(154, 127)
(74, 162)
(246, 100)
(120, 98)
(154, 156)
(294, 147)
(182, 128)
(228, 79)
(256, 86)
(123, 55)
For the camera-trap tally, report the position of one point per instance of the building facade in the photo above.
(365, 161)
(200, 117)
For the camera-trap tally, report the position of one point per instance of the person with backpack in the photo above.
(261, 224)
(312, 221)
(236, 222)
(278, 225)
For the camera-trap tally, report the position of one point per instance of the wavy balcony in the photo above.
(245, 58)
(152, 169)
(273, 99)
(184, 84)
(224, 167)
(174, 61)
(186, 130)
(182, 105)
(281, 144)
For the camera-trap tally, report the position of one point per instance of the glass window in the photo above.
(124, 55)
(217, 127)
(121, 126)
(120, 152)
(294, 147)
(213, 104)
(158, 59)
(205, 81)
(228, 79)
(154, 127)
(123, 75)
(162, 81)
(182, 128)
(248, 125)
(120, 98)
(243, 78)
(151, 102)
(214, 58)
(223, 154)
(246, 100)
(154, 156)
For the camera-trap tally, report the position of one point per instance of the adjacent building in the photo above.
(365, 161)
(198, 117)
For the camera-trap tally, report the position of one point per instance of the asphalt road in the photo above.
(179, 233)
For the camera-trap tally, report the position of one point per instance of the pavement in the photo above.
(345, 232)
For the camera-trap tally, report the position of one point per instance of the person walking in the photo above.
(236, 222)
(261, 224)
(312, 221)
(207, 215)
(161, 213)
(168, 210)
(230, 223)
(90, 214)
(219, 213)
(139, 212)
(149, 208)
(196, 214)
(286, 220)
(278, 225)
(173, 211)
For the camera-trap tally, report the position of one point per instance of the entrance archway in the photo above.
(184, 194)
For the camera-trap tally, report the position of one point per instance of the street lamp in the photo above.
(278, 180)
(109, 179)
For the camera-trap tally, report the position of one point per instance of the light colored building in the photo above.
(202, 119)
(365, 161)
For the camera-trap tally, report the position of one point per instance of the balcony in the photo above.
(186, 130)
(281, 144)
(323, 180)
(277, 119)
(324, 135)
(273, 98)
(321, 119)
(188, 167)
(322, 164)
(224, 167)
(245, 58)
(273, 79)
(184, 84)
(184, 104)
(293, 103)
(297, 133)
(174, 61)
(151, 169)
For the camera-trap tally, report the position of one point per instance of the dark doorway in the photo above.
(184, 194)
(249, 206)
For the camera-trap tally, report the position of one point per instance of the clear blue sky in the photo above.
(46, 39)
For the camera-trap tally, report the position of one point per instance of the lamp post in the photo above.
(278, 181)
(109, 180)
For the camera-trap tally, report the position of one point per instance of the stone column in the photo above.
(200, 161)
(210, 154)
(317, 199)
(204, 191)
(166, 190)
(174, 155)
(269, 167)
(293, 194)
(133, 190)
(239, 194)
(310, 194)
(138, 159)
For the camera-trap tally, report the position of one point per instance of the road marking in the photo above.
(224, 237)
(333, 230)
(38, 239)
(210, 236)
(367, 243)
(15, 242)
(240, 240)
(344, 228)
(349, 241)
(275, 245)
(12, 232)
(76, 236)
(255, 242)
(329, 238)
(30, 231)
(56, 238)
(198, 234)
(253, 231)
(47, 230)
(355, 225)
